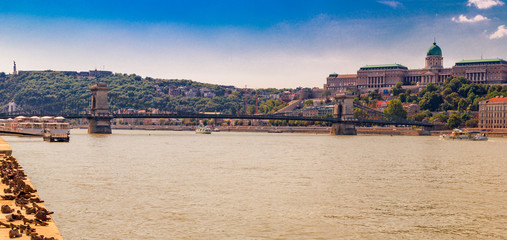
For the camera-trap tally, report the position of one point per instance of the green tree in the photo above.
(326, 94)
(308, 103)
(441, 117)
(454, 121)
(397, 89)
(463, 104)
(430, 101)
(395, 108)
(359, 113)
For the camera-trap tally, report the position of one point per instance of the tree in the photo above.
(421, 116)
(454, 121)
(326, 93)
(463, 104)
(441, 117)
(308, 103)
(397, 89)
(466, 116)
(472, 123)
(430, 101)
(359, 113)
(395, 108)
(402, 97)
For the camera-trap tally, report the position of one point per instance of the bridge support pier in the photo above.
(343, 129)
(99, 126)
(100, 120)
(344, 110)
(426, 131)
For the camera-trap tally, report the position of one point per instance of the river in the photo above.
(181, 185)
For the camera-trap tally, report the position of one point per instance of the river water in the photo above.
(181, 185)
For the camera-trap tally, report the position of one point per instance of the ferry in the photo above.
(458, 134)
(203, 130)
(52, 129)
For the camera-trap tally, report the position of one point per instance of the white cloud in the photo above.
(500, 33)
(393, 4)
(484, 4)
(464, 19)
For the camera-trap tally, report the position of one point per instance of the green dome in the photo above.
(434, 50)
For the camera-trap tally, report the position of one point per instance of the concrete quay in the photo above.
(12, 180)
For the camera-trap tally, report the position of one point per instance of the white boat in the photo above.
(458, 134)
(203, 130)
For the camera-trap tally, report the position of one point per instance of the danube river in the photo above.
(181, 185)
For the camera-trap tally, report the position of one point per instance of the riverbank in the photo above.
(402, 131)
(22, 215)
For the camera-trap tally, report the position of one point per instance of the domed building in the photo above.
(385, 76)
(434, 57)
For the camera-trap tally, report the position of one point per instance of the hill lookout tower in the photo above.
(100, 119)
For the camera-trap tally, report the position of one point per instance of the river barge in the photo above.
(52, 129)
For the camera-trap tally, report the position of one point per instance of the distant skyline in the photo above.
(255, 43)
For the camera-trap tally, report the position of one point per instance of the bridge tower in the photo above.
(344, 110)
(100, 119)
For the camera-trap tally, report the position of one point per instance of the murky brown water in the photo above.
(180, 185)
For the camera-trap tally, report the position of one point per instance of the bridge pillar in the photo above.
(426, 131)
(344, 110)
(100, 119)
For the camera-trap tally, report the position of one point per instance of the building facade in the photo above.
(371, 77)
(493, 113)
(341, 83)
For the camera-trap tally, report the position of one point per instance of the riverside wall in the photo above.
(50, 231)
(402, 131)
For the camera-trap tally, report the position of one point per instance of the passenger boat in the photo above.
(458, 134)
(203, 130)
(50, 128)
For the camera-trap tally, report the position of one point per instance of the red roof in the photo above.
(379, 104)
(498, 99)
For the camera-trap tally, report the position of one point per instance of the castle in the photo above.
(384, 77)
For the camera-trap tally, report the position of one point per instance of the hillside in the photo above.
(36, 89)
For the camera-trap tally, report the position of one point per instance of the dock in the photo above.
(29, 208)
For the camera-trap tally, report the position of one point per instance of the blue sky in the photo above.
(254, 43)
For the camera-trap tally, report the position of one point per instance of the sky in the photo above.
(253, 43)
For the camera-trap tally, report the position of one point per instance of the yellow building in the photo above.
(493, 113)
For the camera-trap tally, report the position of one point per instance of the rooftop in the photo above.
(481, 61)
(383, 66)
(498, 99)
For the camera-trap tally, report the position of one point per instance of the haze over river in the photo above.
(182, 185)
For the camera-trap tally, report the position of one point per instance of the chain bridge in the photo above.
(99, 117)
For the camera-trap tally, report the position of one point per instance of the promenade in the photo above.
(24, 215)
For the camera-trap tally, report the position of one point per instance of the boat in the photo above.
(458, 134)
(203, 130)
(56, 132)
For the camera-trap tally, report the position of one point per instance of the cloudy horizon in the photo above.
(259, 44)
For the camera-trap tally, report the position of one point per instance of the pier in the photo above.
(24, 216)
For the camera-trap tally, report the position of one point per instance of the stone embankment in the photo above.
(404, 131)
(24, 215)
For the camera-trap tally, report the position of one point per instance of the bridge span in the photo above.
(343, 119)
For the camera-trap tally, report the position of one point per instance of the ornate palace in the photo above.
(370, 77)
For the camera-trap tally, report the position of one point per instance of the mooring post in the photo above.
(100, 119)
(344, 110)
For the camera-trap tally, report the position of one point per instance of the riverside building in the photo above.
(385, 76)
(493, 113)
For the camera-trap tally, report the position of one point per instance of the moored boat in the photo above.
(203, 130)
(458, 134)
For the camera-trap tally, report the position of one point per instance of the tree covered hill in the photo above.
(37, 89)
